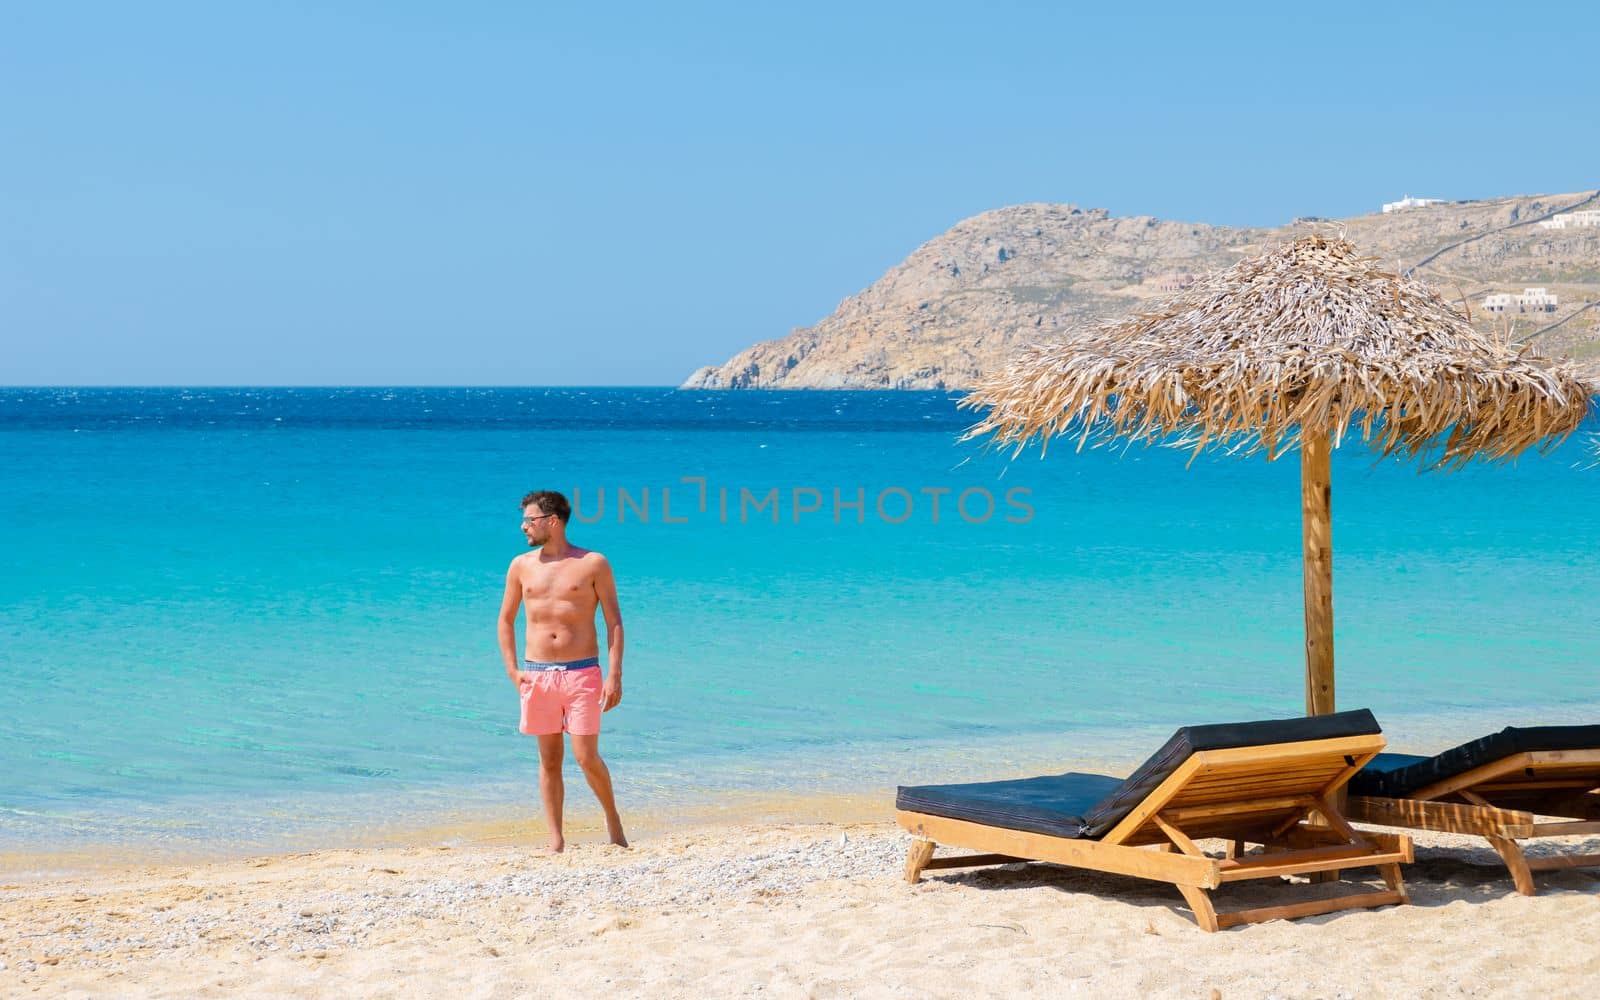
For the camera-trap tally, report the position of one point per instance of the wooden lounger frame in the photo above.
(1500, 802)
(1246, 795)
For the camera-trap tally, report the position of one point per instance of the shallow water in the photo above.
(262, 617)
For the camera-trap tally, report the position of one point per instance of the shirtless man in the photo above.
(559, 678)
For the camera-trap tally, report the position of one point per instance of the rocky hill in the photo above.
(965, 300)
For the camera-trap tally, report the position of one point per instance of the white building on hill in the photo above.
(1410, 202)
(1531, 300)
(1567, 220)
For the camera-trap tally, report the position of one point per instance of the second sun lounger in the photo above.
(1497, 787)
(1247, 783)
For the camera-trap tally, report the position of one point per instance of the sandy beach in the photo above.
(816, 910)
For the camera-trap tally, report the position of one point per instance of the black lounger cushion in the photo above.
(1395, 775)
(1222, 736)
(1087, 805)
(1053, 804)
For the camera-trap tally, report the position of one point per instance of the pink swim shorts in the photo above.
(556, 701)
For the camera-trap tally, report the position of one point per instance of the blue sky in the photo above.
(372, 193)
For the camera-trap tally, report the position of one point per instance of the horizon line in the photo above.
(428, 385)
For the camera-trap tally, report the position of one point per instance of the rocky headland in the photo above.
(965, 300)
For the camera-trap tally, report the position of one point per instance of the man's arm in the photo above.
(605, 588)
(507, 628)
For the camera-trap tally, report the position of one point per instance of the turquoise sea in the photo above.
(250, 619)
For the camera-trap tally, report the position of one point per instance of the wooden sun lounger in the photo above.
(1522, 795)
(1279, 795)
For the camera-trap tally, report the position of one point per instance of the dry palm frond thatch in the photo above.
(1290, 348)
(1307, 335)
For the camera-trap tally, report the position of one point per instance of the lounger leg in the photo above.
(1200, 902)
(1391, 878)
(1235, 849)
(917, 859)
(1511, 853)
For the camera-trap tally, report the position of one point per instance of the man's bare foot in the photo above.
(614, 828)
(555, 846)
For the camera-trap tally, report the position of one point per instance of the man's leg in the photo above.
(551, 788)
(587, 751)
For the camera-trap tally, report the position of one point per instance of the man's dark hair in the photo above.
(550, 502)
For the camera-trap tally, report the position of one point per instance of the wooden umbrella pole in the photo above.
(1317, 536)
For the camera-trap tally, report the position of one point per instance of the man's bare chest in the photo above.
(568, 585)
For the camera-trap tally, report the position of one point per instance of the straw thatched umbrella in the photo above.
(1293, 347)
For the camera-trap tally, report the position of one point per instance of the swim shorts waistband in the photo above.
(583, 664)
